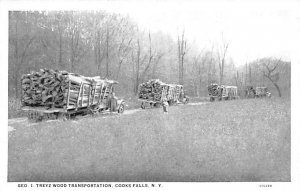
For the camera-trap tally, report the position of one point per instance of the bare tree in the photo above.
(98, 51)
(158, 57)
(250, 74)
(76, 49)
(107, 49)
(138, 62)
(237, 78)
(269, 71)
(124, 45)
(221, 58)
(211, 62)
(150, 57)
(141, 62)
(98, 40)
(59, 24)
(197, 72)
(182, 49)
(20, 52)
(198, 69)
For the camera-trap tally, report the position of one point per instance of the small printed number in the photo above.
(265, 185)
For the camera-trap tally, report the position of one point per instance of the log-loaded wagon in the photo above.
(154, 91)
(262, 92)
(222, 92)
(59, 94)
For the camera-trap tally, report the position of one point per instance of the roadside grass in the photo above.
(239, 140)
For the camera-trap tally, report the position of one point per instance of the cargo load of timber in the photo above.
(262, 92)
(60, 89)
(214, 90)
(220, 92)
(154, 91)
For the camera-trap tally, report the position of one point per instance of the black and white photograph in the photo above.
(109, 95)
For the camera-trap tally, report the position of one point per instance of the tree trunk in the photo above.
(137, 69)
(250, 75)
(17, 61)
(199, 87)
(222, 65)
(246, 75)
(275, 84)
(119, 68)
(200, 79)
(155, 64)
(277, 88)
(179, 61)
(133, 72)
(195, 88)
(60, 49)
(96, 59)
(98, 53)
(182, 69)
(72, 53)
(107, 53)
(181, 54)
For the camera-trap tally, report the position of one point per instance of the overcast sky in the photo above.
(253, 30)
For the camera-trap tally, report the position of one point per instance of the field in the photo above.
(240, 140)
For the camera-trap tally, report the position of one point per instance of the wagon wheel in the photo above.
(50, 116)
(121, 108)
(89, 111)
(93, 111)
(29, 115)
(66, 116)
(32, 116)
(63, 116)
(35, 116)
(157, 105)
(186, 101)
(97, 109)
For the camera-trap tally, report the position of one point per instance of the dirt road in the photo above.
(25, 122)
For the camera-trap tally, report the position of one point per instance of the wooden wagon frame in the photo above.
(227, 93)
(174, 95)
(101, 91)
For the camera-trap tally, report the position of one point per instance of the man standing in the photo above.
(112, 102)
(165, 106)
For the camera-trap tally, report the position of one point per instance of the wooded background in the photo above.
(98, 43)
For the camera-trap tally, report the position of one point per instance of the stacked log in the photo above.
(151, 90)
(49, 88)
(214, 90)
(261, 91)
